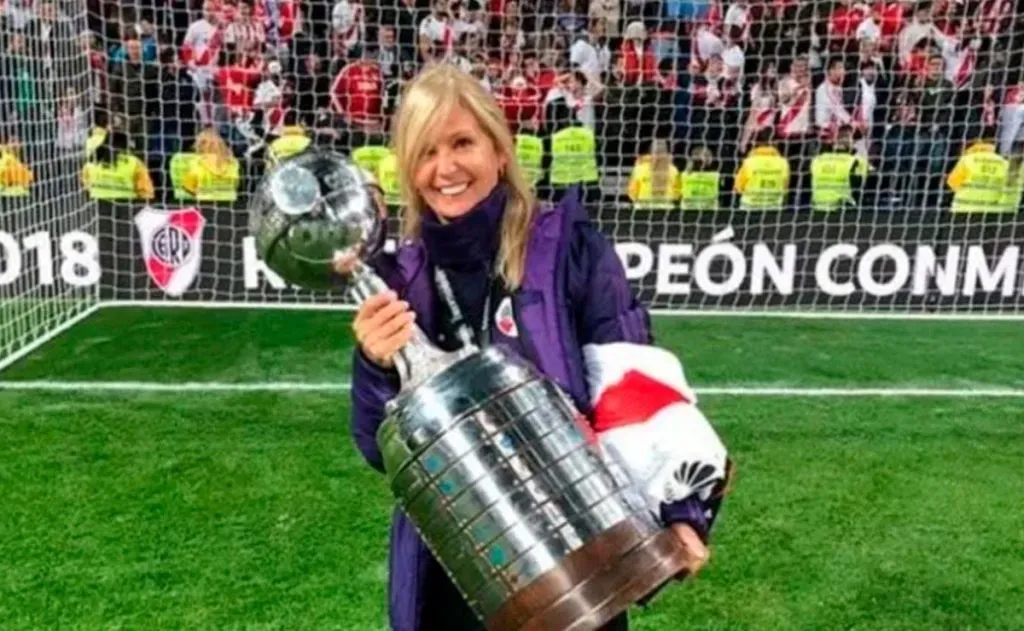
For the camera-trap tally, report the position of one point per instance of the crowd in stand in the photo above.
(916, 82)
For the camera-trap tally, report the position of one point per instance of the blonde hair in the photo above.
(427, 102)
(209, 142)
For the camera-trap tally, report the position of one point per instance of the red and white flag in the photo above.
(647, 423)
(171, 246)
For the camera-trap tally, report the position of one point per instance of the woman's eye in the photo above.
(461, 143)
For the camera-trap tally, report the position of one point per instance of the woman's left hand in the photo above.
(697, 553)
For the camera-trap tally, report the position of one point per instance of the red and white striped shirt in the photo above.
(959, 61)
(794, 108)
(200, 49)
(246, 36)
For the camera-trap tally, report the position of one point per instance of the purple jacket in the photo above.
(574, 293)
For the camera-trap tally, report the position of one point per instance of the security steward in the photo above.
(115, 174)
(763, 179)
(214, 175)
(15, 176)
(700, 181)
(530, 152)
(838, 175)
(293, 139)
(979, 179)
(387, 178)
(654, 182)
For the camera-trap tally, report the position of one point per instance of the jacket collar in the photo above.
(469, 240)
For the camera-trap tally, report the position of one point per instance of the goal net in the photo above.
(49, 264)
(851, 158)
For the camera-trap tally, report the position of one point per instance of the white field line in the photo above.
(687, 312)
(342, 386)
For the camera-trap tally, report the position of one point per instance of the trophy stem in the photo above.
(419, 358)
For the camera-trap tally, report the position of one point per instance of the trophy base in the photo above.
(595, 583)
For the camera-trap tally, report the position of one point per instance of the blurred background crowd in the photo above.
(624, 97)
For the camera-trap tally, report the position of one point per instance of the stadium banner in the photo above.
(877, 262)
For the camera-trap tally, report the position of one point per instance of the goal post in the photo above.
(49, 269)
(750, 160)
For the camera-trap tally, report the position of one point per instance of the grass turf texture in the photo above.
(244, 510)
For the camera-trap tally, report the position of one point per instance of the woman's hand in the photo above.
(383, 325)
(697, 553)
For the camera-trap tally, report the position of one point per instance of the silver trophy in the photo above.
(489, 459)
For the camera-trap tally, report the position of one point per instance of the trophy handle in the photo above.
(419, 358)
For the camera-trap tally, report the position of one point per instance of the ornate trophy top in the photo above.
(312, 209)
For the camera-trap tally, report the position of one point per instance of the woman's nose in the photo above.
(446, 164)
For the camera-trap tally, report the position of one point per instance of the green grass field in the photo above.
(218, 509)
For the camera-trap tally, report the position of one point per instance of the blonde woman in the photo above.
(213, 176)
(539, 281)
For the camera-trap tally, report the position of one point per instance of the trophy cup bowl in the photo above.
(489, 459)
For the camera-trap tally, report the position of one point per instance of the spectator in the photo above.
(1011, 117)
(200, 52)
(134, 89)
(919, 28)
(237, 76)
(830, 107)
(608, 13)
(269, 100)
(312, 89)
(436, 33)
(733, 57)
(575, 92)
(636, 63)
(706, 44)
(357, 94)
(244, 32)
(21, 92)
(51, 39)
(390, 55)
(763, 110)
(714, 105)
(406, 17)
(589, 53)
(72, 121)
(866, 117)
(348, 19)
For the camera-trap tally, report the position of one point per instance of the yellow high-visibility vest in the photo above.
(293, 140)
(573, 156)
(112, 182)
(213, 185)
(830, 179)
(181, 163)
(15, 177)
(1013, 191)
(699, 190)
(642, 187)
(530, 156)
(979, 180)
(763, 180)
(387, 177)
(369, 157)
